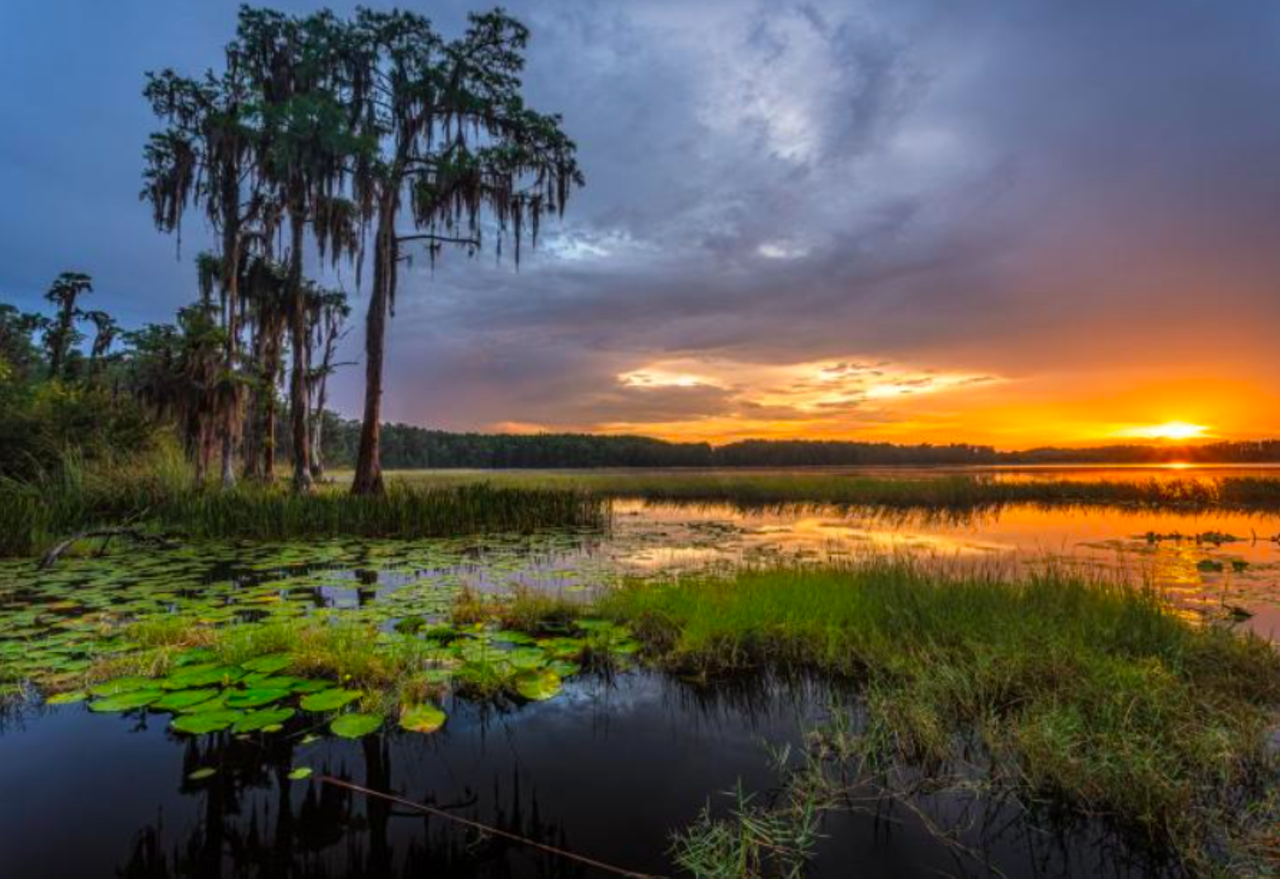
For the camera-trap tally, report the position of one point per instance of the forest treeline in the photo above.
(407, 447)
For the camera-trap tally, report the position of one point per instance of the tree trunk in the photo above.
(317, 423)
(268, 429)
(368, 478)
(231, 418)
(298, 403)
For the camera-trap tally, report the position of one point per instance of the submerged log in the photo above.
(107, 533)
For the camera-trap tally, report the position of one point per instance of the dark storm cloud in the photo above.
(993, 188)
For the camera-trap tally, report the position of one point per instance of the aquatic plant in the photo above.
(754, 841)
(950, 492)
(1093, 695)
(158, 493)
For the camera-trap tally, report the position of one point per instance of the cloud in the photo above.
(976, 200)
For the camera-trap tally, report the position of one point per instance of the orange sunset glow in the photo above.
(884, 401)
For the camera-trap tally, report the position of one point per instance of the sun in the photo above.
(1169, 430)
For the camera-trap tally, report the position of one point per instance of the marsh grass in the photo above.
(521, 609)
(954, 492)
(159, 493)
(1092, 695)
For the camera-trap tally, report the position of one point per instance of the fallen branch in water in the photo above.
(132, 533)
(484, 828)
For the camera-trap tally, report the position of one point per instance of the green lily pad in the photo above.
(299, 774)
(255, 698)
(526, 658)
(216, 703)
(200, 676)
(422, 718)
(354, 726)
(66, 698)
(538, 685)
(126, 701)
(563, 668)
(201, 774)
(269, 664)
(179, 700)
(310, 686)
(206, 721)
(262, 721)
(122, 685)
(329, 700)
(194, 655)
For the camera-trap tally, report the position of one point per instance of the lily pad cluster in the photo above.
(487, 661)
(55, 624)
(205, 696)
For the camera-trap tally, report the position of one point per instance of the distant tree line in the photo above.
(406, 447)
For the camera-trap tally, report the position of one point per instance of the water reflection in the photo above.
(1203, 577)
(607, 772)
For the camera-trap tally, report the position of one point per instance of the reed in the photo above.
(159, 493)
(954, 492)
(1091, 695)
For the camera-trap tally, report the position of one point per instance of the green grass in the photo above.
(159, 493)
(960, 492)
(1092, 695)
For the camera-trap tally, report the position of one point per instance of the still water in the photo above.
(609, 769)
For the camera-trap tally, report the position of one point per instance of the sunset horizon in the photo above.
(734, 439)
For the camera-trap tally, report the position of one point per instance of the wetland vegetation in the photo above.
(352, 615)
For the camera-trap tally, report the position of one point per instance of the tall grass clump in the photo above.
(158, 492)
(950, 492)
(277, 514)
(1094, 695)
(77, 495)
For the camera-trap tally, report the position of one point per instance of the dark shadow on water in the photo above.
(607, 770)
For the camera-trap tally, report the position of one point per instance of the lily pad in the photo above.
(66, 698)
(538, 685)
(262, 721)
(354, 726)
(200, 676)
(201, 774)
(329, 700)
(206, 721)
(310, 686)
(217, 703)
(422, 718)
(254, 698)
(126, 701)
(194, 655)
(268, 664)
(299, 774)
(122, 685)
(563, 668)
(183, 699)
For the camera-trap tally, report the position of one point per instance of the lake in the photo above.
(609, 768)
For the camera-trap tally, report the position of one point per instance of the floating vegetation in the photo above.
(355, 726)
(248, 640)
(421, 718)
(1216, 538)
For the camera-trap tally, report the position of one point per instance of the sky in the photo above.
(1008, 222)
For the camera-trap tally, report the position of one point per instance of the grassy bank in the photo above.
(160, 494)
(1093, 696)
(959, 492)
